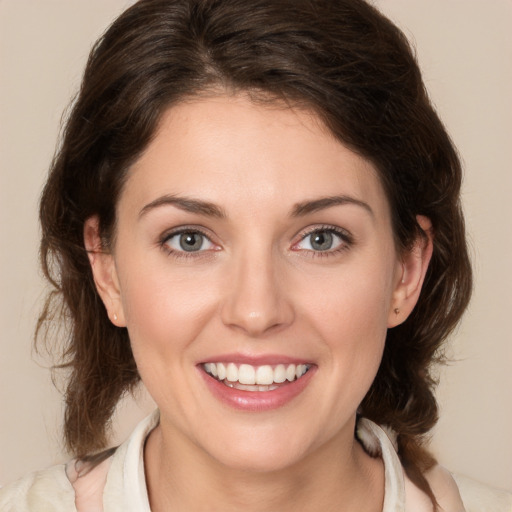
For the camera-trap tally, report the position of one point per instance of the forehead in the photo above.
(229, 149)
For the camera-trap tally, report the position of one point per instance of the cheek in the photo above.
(355, 302)
(351, 313)
(165, 315)
(164, 310)
(356, 333)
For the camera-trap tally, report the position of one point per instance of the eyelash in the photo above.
(164, 240)
(347, 240)
(345, 237)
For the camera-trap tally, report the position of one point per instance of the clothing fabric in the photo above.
(118, 483)
(478, 497)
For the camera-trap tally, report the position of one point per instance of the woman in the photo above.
(255, 210)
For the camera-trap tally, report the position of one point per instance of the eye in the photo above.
(188, 241)
(323, 240)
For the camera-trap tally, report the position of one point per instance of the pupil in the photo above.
(191, 241)
(322, 241)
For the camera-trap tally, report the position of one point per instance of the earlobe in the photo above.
(104, 272)
(411, 273)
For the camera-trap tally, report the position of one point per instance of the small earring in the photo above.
(115, 317)
(396, 311)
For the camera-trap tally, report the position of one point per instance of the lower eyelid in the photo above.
(345, 239)
(166, 238)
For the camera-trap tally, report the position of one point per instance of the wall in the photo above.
(465, 50)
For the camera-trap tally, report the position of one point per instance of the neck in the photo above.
(337, 476)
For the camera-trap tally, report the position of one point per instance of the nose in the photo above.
(256, 301)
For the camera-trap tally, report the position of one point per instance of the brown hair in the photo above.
(340, 58)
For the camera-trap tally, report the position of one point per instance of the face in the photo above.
(255, 269)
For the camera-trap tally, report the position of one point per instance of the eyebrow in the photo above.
(211, 210)
(186, 204)
(307, 207)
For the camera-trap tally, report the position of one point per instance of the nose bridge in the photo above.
(256, 300)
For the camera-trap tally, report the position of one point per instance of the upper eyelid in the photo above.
(164, 242)
(346, 239)
(185, 229)
(334, 229)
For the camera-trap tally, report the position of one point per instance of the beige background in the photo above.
(465, 49)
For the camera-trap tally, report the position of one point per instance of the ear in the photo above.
(104, 272)
(410, 274)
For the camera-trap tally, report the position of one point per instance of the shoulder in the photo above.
(479, 497)
(41, 491)
(88, 481)
(444, 488)
(456, 493)
(118, 478)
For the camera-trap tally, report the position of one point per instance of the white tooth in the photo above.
(232, 372)
(207, 367)
(247, 387)
(221, 371)
(290, 372)
(300, 371)
(279, 373)
(244, 387)
(264, 375)
(213, 369)
(246, 374)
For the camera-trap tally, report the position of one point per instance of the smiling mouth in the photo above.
(246, 377)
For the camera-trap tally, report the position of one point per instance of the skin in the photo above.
(256, 287)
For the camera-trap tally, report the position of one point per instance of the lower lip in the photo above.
(256, 401)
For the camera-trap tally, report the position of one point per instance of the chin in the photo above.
(260, 453)
(263, 460)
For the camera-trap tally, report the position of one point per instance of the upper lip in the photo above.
(255, 360)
